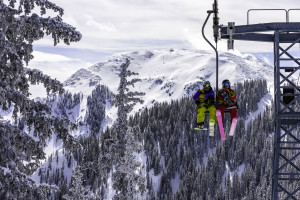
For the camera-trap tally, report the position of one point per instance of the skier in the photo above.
(205, 102)
(226, 98)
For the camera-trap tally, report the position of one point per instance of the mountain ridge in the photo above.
(170, 74)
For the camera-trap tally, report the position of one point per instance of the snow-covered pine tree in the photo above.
(130, 168)
(77, 190)
(20, 152)
(126, 181)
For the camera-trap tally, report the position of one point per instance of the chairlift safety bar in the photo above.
(286, 13)
(291, 10)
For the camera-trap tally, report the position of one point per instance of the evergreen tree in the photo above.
(125, 180)
(20, 152)
(77, 190)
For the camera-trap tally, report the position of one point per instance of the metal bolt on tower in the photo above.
(286, 169)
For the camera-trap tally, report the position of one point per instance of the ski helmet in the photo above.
(226, 83)
(206, 85)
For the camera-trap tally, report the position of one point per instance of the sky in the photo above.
(111, 26)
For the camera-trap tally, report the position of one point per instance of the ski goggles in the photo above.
(226, 84)
(206, 85)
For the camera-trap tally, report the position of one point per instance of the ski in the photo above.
(220, 122)
(200, 129)
(233, 125)
(211, 127)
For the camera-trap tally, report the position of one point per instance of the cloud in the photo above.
(110, 26)
(55, 65)
(107, 27)
(49, 58)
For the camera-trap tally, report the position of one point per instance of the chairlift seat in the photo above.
(225, 111)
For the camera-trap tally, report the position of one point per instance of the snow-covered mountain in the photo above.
(170, 74)
(167, 74)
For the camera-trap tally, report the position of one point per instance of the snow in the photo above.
(155, 180)
(240, 170)
(110, 191)
(6, 170)
(111, 115)
(57, 165)
(265, 101)
(162, 161)
(7, 115)
(52, 146)
(175, 183)
(227, 170)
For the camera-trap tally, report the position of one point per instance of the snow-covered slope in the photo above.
(170, 74)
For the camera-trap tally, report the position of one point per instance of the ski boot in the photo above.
(200, 126)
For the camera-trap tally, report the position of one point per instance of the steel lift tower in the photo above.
(286, 169)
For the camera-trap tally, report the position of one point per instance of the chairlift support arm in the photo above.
(216, 35)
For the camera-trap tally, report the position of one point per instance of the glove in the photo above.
(222, 93)
(226, 100)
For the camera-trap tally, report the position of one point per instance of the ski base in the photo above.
(233, 126)
(220, 123)
(211, 127)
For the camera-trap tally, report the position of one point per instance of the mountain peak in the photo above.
(170, 73)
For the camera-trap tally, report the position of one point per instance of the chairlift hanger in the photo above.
(216, 36)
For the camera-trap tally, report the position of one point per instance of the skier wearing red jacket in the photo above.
(226, 98)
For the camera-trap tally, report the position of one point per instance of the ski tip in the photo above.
(199, 129)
